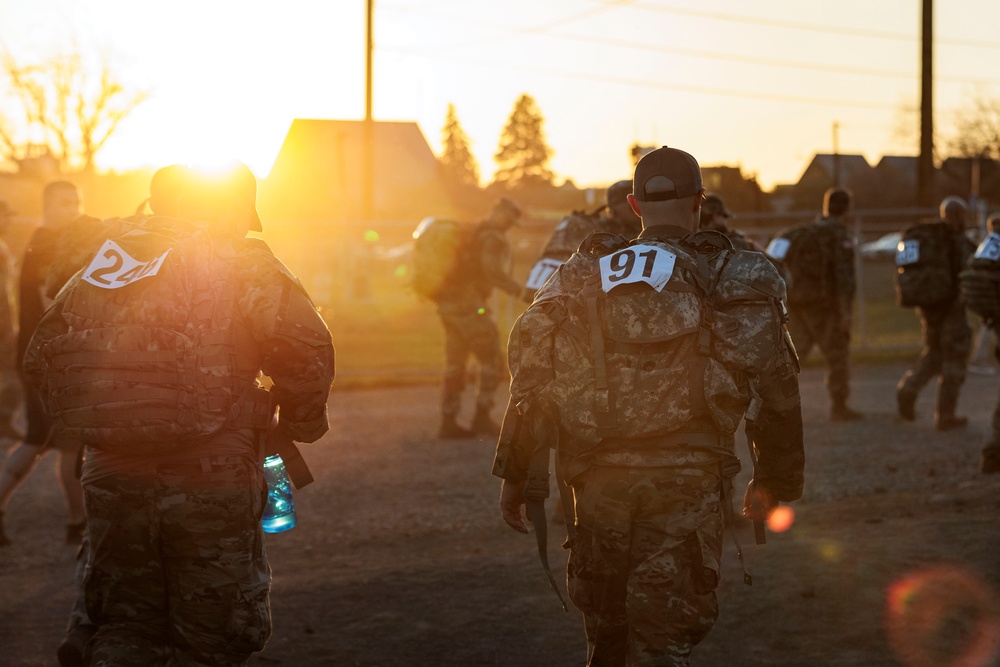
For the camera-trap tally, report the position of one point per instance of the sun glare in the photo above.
(943, 616)
(781, 519)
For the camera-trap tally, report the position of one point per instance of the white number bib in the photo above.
(112, 267)
(989, 248)
(637, 264)
(908, 252)
(541, 272)
(778, 248)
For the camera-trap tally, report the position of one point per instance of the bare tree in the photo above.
(977, 129)
(64, 107)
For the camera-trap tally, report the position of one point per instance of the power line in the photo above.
(711, 55)
(796, 25)
(646, 83)
(769, 62)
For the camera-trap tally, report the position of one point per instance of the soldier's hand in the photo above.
(758, 502)
(512, 505)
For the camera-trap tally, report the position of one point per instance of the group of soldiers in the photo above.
(144, 342)
(596, 363)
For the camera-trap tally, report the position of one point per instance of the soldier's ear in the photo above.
(633, 204)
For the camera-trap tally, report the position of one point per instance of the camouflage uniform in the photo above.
(647, 544)
(178, 572)
(947, 339)
(820, 323)
(468, 325)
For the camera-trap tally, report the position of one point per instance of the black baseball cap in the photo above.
(679, 167)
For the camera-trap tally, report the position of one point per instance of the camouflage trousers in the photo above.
(644, 565)
(177, 573)
(470, 334)
(820, 326)
(947, 344)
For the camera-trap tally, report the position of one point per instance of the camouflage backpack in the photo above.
(149, 360)
(806, 262)
(924, 272)
(980, 281)
(636, 342)
(565, 240)
(438, 247)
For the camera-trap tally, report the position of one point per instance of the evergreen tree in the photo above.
(522, 157)
(457, 160)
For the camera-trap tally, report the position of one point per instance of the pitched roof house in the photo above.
(318, 175)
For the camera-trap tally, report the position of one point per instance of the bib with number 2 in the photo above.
(637, 264)
(113, 267)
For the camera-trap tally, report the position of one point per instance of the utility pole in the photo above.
(368, 136)
(925, 165)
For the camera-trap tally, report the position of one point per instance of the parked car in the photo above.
(883, 247)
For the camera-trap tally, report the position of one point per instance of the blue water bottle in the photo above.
(279, 515)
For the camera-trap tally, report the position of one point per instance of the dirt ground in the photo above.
(400, 555)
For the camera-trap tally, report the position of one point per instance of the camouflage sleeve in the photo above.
(530, 358)
(51, 325)
(843, 263)
(298, 352)
(494, 256)
(777, 431)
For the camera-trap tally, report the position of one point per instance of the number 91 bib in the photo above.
(637, 264)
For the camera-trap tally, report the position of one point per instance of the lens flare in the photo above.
(943, 616)
(372, 236)
(781, 519)
(481, 311)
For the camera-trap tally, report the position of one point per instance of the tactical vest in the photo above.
(925, 275)
(980, 281)
(646, 340)
(150, 360)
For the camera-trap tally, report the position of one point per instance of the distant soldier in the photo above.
(946, 331)
(980, 289)
(819, 269)
(151, 356)
(615, 217)
(715, 217)
(620, 218)
(61, 212)
(469, 329)
(619, 365)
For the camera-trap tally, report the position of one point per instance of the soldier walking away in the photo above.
(715, 216)
(615, 217)
(469, 329)
(74, 251)
(620, 218)
(151, 357)
(61, 212)
(821, 286)
(643, 418)
(980, 290)
(947, 336)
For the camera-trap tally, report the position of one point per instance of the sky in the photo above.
(761, 85)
